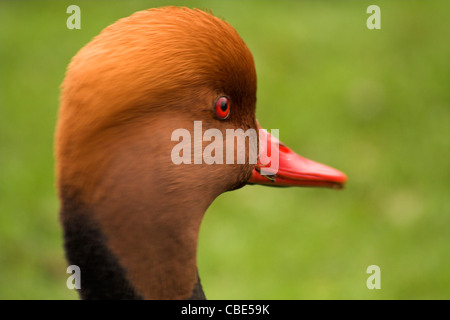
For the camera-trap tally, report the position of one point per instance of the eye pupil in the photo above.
(224, 105)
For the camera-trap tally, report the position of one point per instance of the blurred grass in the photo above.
(375, 104)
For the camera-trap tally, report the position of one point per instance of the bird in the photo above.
(130, 216)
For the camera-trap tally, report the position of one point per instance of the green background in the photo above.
(372, 103)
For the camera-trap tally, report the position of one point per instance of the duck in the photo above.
(130, 216)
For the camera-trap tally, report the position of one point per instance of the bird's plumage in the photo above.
(124, 93)
(130, 215)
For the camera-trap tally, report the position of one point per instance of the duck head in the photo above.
(131, 215)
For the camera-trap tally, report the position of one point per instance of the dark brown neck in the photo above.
(107, 272)
(102, 277)
(132, 217)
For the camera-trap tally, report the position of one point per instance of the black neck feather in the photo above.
(102, 277)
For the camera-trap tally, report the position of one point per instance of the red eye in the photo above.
(222, 108)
